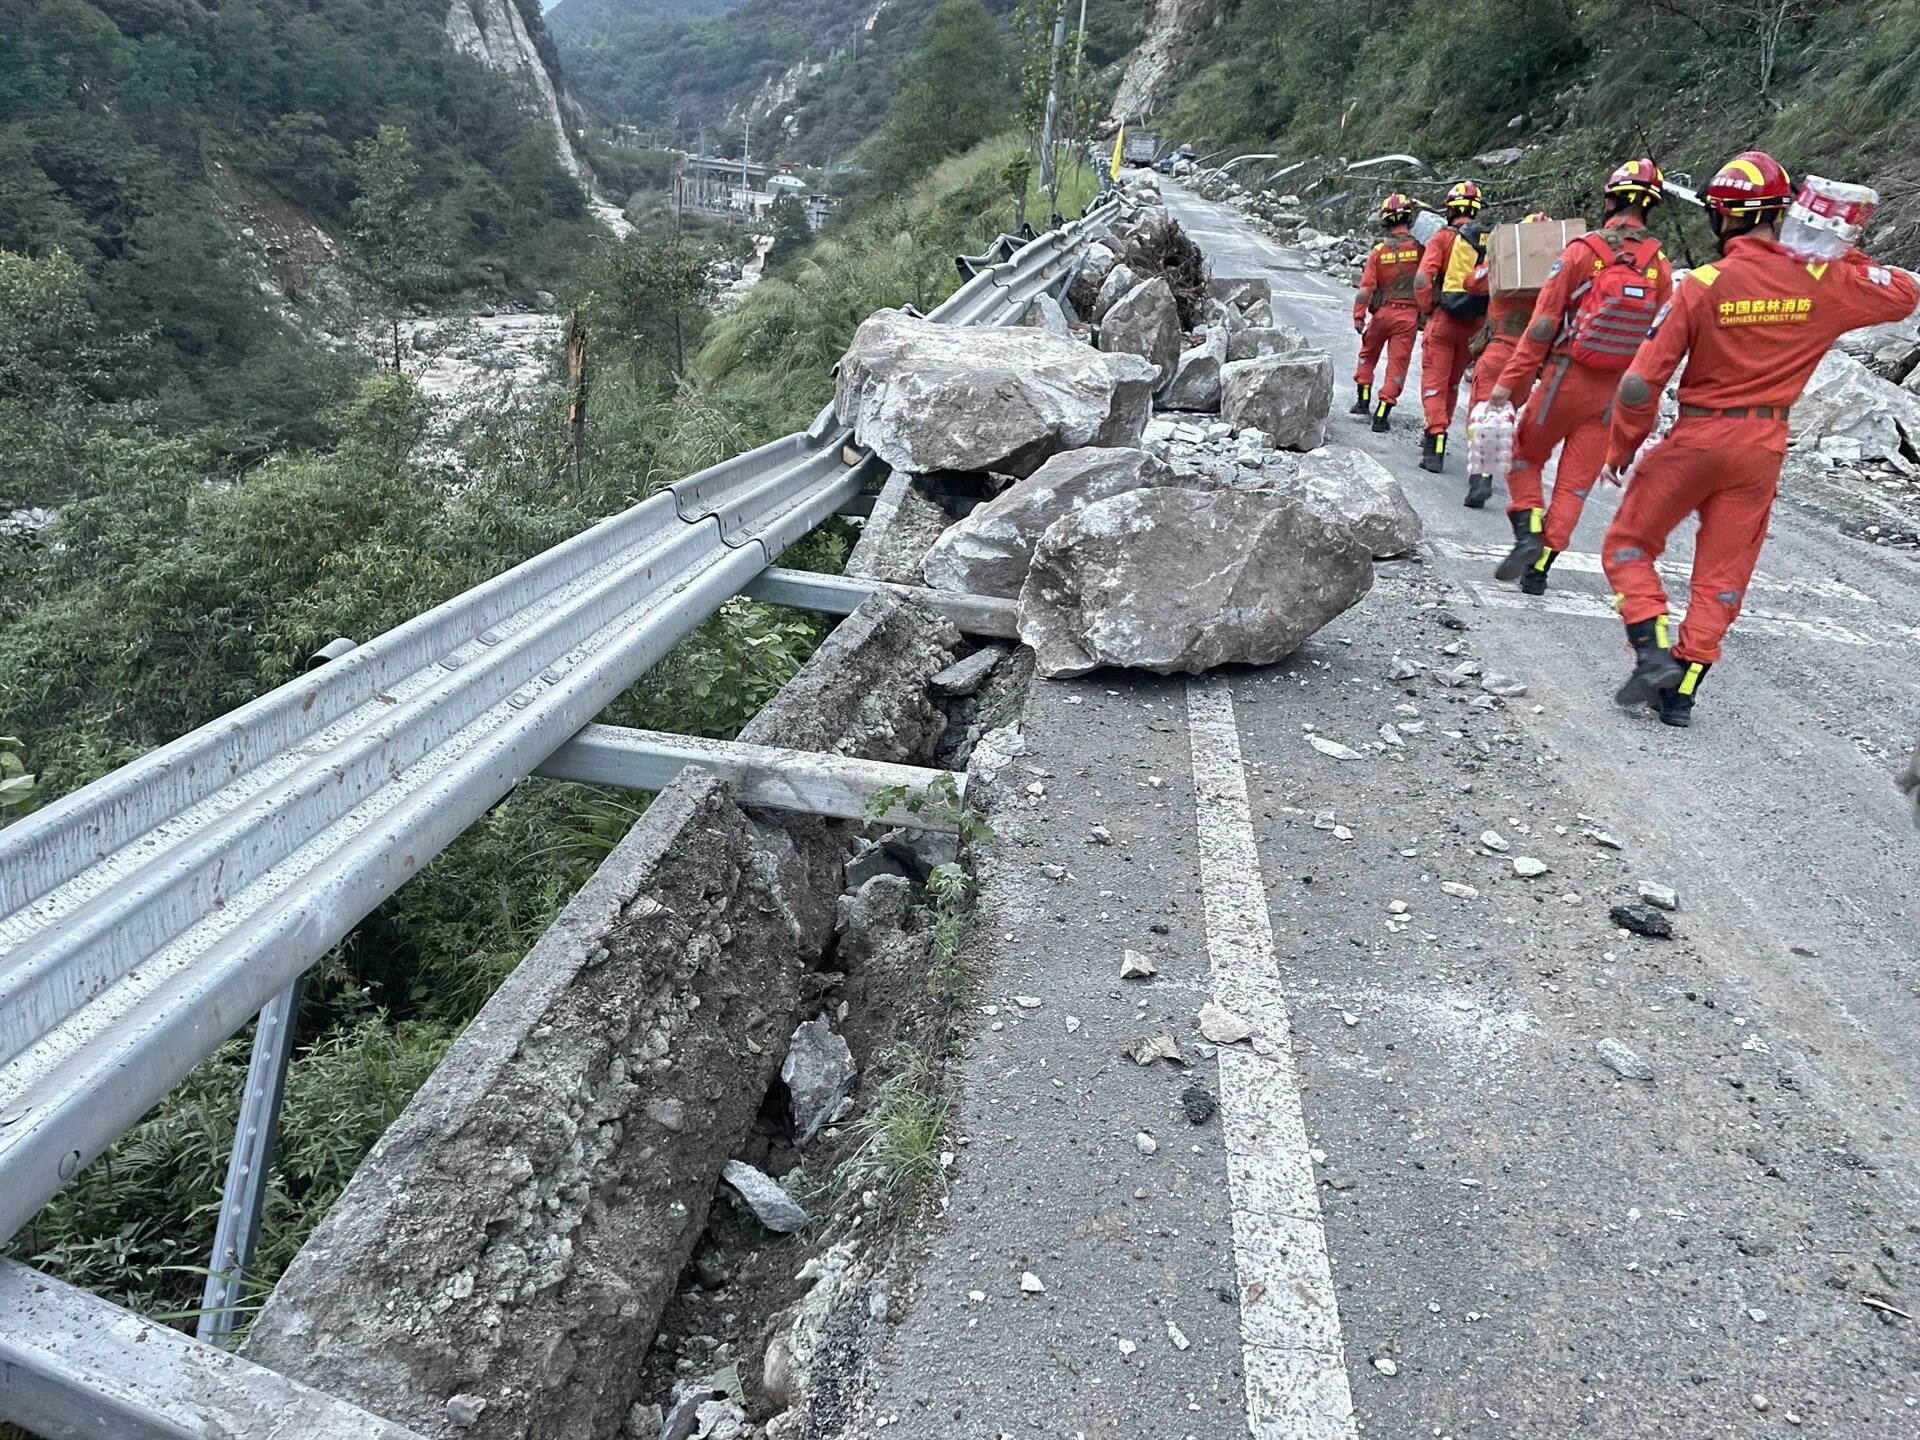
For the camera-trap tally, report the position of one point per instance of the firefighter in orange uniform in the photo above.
(1751, 329)
(1595, 309)
(1507, 317)
(1384, 313)
(1443, 353)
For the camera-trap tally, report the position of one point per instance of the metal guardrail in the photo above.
(147, 917)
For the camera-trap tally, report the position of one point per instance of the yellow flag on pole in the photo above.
(1119, 146)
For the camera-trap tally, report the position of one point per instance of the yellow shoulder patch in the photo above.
(1817, 270)
(1706, 274)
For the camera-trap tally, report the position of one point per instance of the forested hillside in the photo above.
(205, 538)
(120, 118)
(1829, 85)
(816, 77)
(579, 20)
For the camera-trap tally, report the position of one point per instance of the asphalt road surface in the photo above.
(1427, 1204)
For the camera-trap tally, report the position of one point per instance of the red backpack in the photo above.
(1614, 308)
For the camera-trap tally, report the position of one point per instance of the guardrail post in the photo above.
(244, 1199)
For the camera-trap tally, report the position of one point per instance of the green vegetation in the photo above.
(172, 587)
(680, 80)
(1829, 87)
(126, 126)
(900, 1131)
(953, 95)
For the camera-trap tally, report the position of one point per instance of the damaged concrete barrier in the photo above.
(1287, 396)
(927, 397)
(988, 552)
(1181, 581)
(905, 521)
(1146, 322)
(511, 1242)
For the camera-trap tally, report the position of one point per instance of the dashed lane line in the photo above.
(1294, 1356)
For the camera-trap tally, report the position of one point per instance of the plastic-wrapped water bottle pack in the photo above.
(1490, 440)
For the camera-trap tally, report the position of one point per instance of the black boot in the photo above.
(1527, 545)
(1479, 491)
(1676, 705)
(1534, 580)
(1654, 668)
(1433, 451)
(1380, 414)
(1364, 404)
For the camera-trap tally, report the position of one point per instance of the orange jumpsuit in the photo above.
(1384, 306)
(1573, 402)
(1508, 315)
(1752, 329)
(1443, 353)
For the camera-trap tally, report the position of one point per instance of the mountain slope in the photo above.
(1557, 94)
(123, 124)
(579, 21)
(815, 77)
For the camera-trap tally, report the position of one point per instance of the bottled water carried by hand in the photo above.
(1490, 440)
(1827, 218)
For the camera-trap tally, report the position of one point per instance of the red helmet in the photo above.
(1464, 199)
(1748, 186)
(1638, 182)
(1396, 209)
(1536, 217)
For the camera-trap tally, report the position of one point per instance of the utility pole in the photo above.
(1053, 98)
(1080, 46)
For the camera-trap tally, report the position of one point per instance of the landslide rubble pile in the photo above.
(1144, 468)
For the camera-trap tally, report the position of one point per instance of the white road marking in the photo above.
(1295, 1359)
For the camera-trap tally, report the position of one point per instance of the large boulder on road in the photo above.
(1255, 342)
(1176, 581)
(1196, 377)
(1145, 322)
(1846, 401)
(927, 397)
(1288, 396)
(1351, 486)
(988, 552)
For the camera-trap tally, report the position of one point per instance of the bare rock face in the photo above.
(1288, 396)
(1176, 581)
(1352, 486)
(1196, 377)
(1120, 279)
(988, 552)
(927, 397)
(1145, 322)
(1257, 341)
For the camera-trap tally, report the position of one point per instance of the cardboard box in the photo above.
(1519, 256)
